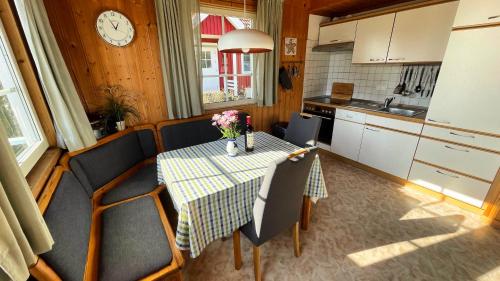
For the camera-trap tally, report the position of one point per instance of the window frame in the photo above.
(31, 156)
(230, 12)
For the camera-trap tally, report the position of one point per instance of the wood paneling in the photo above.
(346, 7)
(93, 63)
(251, 4)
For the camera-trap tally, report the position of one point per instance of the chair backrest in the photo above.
(285, 182)
(68, 217)
(194, 132)
(99, 165)
(303, 131)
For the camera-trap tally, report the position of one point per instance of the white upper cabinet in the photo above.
(474, 12)
(467, 91)
(337, 33)
(372, 39)
(421, 35)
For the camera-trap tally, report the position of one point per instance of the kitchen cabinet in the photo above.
(346, 138)
(473, 12)
(467, 138)
(421, 35)
(337, 33)
(372, 39)
(466, 160)
(466, 94)
(451, 184)
(387, 150)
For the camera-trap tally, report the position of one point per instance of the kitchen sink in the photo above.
(400, 111)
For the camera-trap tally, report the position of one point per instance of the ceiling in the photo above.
(335, 8)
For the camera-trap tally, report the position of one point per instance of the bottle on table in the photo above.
(249, 142)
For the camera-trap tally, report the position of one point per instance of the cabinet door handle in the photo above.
(457, 149)
(464, 136)
(373, 130)
(445, 174)
(334, 40)
(442, 122)
(494, 17)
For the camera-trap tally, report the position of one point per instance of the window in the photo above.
(16, 111)
(226, 77)
(206, 59)
(246, 62)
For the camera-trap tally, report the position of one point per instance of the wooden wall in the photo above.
(94, 64)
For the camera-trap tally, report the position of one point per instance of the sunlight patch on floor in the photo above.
(490, 275)
(379, 254)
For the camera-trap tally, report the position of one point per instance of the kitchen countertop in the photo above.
(368, 107)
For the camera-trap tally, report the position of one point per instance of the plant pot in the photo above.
(232, 147)
(120, 125)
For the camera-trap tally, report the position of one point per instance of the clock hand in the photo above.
(112, 24)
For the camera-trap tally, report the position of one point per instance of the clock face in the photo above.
(115, 28)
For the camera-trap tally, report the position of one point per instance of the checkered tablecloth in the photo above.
(214, 193)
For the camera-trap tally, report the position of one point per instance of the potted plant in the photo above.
(116, 109)
(228, 125)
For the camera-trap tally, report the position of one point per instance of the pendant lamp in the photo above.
(245, 40)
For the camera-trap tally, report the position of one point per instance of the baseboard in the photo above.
(411, 185)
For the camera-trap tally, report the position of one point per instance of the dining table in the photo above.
(214, 193)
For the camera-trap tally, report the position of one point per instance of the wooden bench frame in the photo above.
(42, 271)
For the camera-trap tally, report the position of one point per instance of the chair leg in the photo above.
(296, 241)
(306, 212)
(256, 263)
(237, 249)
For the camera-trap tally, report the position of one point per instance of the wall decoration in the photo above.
(290, 46)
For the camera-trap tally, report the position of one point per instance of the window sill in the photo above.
(227, 104)
(39, 175)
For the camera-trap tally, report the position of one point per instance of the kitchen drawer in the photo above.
(395, 124)
(459, 158)
(352, 116)
(482, 141)
(460, 187)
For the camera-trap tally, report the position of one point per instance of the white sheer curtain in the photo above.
(60, 92)
(180, 47)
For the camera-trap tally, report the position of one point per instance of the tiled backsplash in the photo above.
(371, 81)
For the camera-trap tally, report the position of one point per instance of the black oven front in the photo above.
(327, 116)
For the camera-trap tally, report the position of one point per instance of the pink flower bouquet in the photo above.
(227, 123)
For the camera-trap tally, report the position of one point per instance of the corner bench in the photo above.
(103, 209)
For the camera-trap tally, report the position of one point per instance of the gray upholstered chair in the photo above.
(278, 204)
(303, 131)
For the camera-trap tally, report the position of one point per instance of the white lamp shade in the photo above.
(245, 41)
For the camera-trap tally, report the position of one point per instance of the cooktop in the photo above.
(327, 100)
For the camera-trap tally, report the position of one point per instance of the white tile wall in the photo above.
(371, 81)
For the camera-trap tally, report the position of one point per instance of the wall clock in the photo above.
(115, 28)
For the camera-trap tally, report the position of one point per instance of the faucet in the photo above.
(387, 102)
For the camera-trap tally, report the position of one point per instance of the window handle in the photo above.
(458, 149)
(445, 174)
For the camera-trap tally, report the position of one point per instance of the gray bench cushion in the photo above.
(133, 241)
(96, 167)
(188, 134)
(68, 218)
(192, 133)
(143, 181)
